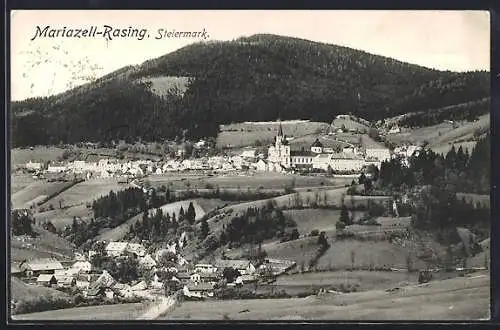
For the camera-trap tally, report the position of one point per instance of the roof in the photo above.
(237, 264)
(45, 278)
(64, 278)
(183, 275)
(317, 143)
(303, 153)
(42, 264)
(200, 287)
(117, 246)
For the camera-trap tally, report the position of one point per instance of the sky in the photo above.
(444, 40)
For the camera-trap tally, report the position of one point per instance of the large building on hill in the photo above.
(281, 158)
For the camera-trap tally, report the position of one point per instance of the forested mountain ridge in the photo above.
(257, 78)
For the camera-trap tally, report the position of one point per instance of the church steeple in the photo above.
(280, 131)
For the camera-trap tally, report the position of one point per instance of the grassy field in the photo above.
(320, 219)
(443, 134)
(22, 292)
(260, 180)
(366, 280)
(86, 191)
(38, 154)
(20, 181)
(36, 192)
(62, 217)
(301, 250)
(439, 300)
(366, 254)
(104, 312)
(349, 124)
(247, 134)
(163, 84)
(45, 244)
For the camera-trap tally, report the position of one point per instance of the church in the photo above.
(279, 153)
(281, 158)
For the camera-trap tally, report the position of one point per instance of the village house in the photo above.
(64, 280)
(245, 267)
(276, 266)
(204, 277)
(147, 262)
(82, 266)
(34, 166)
(138, 249)
(183, 277)
(46, 280)
(200, 290)
(40, 266)
(205, 268)
(317, 147)
(261, 166)
(382, 154)
(246, 279)
(116, 249)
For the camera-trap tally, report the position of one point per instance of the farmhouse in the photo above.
(200, 290)
(46, 280)
(65, 280)
(40, 266)
(245, 267)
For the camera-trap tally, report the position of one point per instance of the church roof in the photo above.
(317, 143)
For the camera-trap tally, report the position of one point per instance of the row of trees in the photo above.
(120, 206)
(458, 169)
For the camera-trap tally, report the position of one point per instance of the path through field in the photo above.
(162, 306)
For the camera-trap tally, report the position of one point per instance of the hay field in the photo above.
(44, 245)
(86, 191)
(366, 254)
(36, 192)
(20, 181)
(320, 219)
(437, 300)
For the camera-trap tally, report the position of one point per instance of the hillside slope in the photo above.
(258, 78)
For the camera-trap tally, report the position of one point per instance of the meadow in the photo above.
(37, 192)
(438, 300)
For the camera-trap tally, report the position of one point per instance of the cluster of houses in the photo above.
(199, 280)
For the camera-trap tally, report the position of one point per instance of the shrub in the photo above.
(314, 232)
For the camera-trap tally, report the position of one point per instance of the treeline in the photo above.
(256, 225)
(466, 112)
(259, 78)
(21, 223)
(120, 206)
(460, 170)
